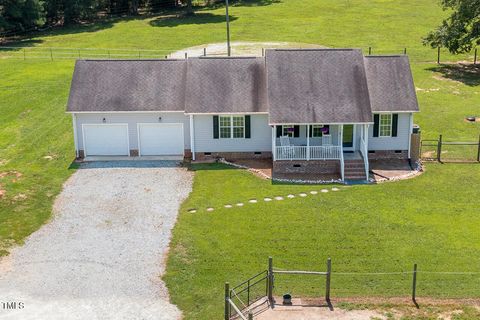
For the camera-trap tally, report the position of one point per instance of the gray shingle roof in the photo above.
(128, 85)
(294, 86)
(226, 85)
(390, 83)
(317, 85)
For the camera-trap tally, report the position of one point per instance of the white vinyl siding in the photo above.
(260, 132)
(400, 142)
(132, 119)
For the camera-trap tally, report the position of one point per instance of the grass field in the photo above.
(431, 220)
(36, 147)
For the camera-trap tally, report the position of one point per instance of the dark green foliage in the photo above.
(460, 32)
(21, 15)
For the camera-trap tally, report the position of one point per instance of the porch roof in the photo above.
(317, 86)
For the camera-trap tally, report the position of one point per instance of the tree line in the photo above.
(24, 15)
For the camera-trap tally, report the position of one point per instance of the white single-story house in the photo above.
(311, 111)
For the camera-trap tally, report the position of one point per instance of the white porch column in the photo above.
(308, 142)
(274, 142)
(192, 137)
(75, 138)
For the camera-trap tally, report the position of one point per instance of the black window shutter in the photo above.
(310, 129)
(215, 127)
(376, 124)
(394, 124)
(247, 127)
(296, 131)
(279, 131)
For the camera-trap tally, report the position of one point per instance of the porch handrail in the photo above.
(364, 151)
(308, 152)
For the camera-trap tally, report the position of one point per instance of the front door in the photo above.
(348, 137)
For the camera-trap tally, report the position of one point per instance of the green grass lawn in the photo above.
(431, 220)
(435, 212)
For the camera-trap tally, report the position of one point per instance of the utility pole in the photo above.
(228, 29)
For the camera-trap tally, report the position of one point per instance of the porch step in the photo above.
(354, 169)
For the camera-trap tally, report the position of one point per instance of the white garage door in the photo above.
(105, 139)
(160, 139)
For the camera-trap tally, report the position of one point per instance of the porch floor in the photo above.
(354, 155)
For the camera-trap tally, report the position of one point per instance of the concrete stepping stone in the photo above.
(290, 196)
(253, 201)
(324, 190)
(192, 211)
(302, 194)
(240, 204)
(267, 199)
(279, 198)
(313, 192)
(228, 206)
(210, 209)
(335, 189)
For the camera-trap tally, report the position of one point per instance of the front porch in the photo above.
(314, 150)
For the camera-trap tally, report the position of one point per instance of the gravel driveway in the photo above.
(102, 255)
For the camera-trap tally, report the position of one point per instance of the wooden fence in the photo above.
(442, 150)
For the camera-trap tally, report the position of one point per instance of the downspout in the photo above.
(274, 147)
(410, 131)
(192, 137)
(75, 138)
(342, 163)
(365, 151)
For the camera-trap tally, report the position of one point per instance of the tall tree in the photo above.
(20, 15)
(460, 32)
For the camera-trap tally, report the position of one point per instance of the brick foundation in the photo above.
(314, 167)
(200, 156)
(187, 154)
(387, 154)
(81, 154)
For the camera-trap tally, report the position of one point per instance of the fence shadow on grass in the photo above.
(468, 74)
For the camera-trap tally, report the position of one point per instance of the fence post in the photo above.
(369, 51)
(51, 54)
(478, 152)
(270, 280)
(250, 315)
(263, 52)
(475, 56)
(327, 285)
(204, 52)
(227, 303)
(24, 54)
(414, 285)
(438, 55)
(186, 55)
(404, 50)
(439, 149)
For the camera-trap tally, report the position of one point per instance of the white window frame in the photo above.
(231, 126)
(317, 126)
(286, 133)
(387, 126)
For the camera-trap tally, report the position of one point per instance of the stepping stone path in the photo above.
(268, 199)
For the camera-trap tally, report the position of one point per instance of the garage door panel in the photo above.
(156, 139)
(106, 139)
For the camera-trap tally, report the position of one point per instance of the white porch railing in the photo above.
(308, 152)
(364, 152)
